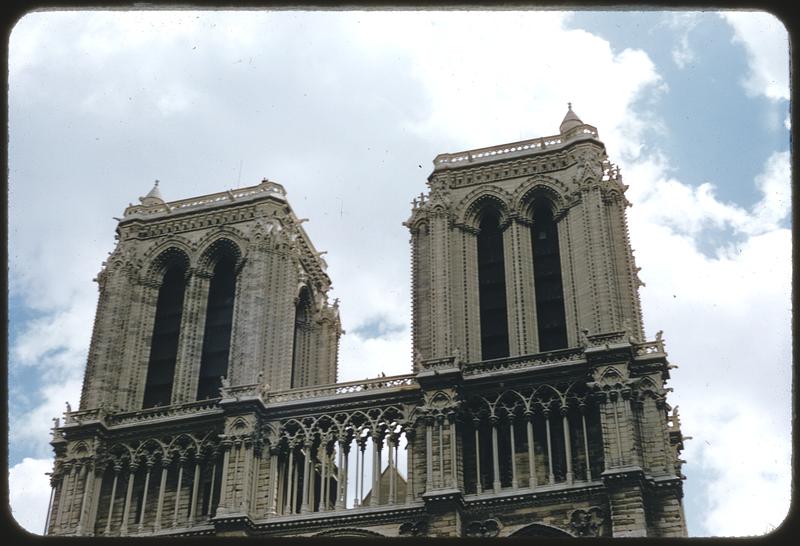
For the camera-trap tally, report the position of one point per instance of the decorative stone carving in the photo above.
(413, 528)
(482, 529)
(587, 523)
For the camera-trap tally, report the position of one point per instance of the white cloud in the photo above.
(31, 429)
(389, 354)
(726, 319)
(751, 491)
(481, 70)
(29, 493)
(683, 23)
(767, 44)
(775, 186)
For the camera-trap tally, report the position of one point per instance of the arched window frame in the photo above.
(493, 305)
(300, 338)
(219, 316)
(167, 273)
(548, 274)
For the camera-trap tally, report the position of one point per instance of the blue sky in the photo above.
(705, 106)
(347, 113)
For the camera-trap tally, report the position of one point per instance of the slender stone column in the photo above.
(551, 477)
(223, 480)
(630, 422)
(514, 481)
(531, 450)
(256, 471)
(453, 460)
(181, 462)
(295, 485)
(340, 477)
(237, 452)
(376, 472)
(195, 490)
(567, 442)
(62, 497)
(396, 456)
(361, 445)
(160, 505)
(49, 507)
(306, 476)
(390, 440)
(323, 484)
(117, 468)
(440, 427)
(74, 477)
(359, 473)
(478, 485)
(123, 530)
(149, 465)
(495, 457)
(246, 479)
(214, 458)
(283, 466)
(614, 395)
(429, 486)
(88, 485)
(586, 443)
(409, 465)
(80, 479)
(289, 476)
(272, 500)
(345, 464)
(312, 477)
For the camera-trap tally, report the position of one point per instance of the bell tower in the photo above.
(522, 248)
(221, 287)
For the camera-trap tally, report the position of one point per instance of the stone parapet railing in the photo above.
(151, 414)
(514, 148)
(606, 338)
(84, 416)
(523, 362)
(265, 188)
(650, 348)
(375, 384)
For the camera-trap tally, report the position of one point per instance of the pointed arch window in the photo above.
(302, 323)
(217, 334)
(492, 288)
(550, 315)
(164, 344)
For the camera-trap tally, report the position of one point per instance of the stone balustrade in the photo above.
(166, 412)
(265, 188)
(514, 148)
(393, 382)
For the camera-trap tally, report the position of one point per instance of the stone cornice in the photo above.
(360, 516)
(515, 150)
(526, 496)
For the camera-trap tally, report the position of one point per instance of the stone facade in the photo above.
(535, 406)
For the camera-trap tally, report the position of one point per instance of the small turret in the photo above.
(571, 120)
(153, 197)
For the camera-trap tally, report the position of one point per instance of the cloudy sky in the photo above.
(347, 110)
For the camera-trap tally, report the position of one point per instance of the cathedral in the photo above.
(534, 405)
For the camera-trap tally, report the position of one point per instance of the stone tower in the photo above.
(535, 406)
(519, 248)
(227, 285)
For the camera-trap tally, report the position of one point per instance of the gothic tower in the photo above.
(224, 286)
(520, 248)
(535, 406)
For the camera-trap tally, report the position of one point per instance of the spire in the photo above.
(153, 197)
(571, 120)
